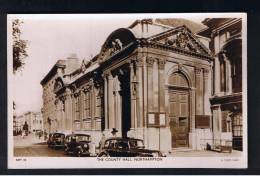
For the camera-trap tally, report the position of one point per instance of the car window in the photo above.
(82, 138)
(112, 144)
(122, 145)
(136, 144)
(106, 145)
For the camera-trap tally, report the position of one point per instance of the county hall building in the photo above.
(150, 81)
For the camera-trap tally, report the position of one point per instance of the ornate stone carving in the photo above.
(87, 88)
(116, 45)
(63, 98)
(180, 67)
(77, 93)
(56, 102)
(182, 40)
(161, 63)
(198, 70)
(150, 61)
(139, 62)
(206, 72)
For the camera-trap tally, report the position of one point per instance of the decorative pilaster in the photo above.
(217, 75)
(140, 82)
(133, 96)
(111, 112)
(105, 77)
(199, 95)
(206, 91)
(150, 90)
(68, 110)
(161, 77)
(62, 113)
(228, 74)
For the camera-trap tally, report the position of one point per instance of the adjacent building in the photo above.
(34, 121)
(153, 80)
(226, 100)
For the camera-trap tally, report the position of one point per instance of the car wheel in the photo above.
(79, 153)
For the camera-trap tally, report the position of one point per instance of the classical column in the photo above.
(161, 65)
(115, 107)
(192, 108)
(206, 91)
(92, 103)
(199, 95)
(105, 77)
(119, 106)
(217, 75)
(156, 85)
(150, 89)
(228, 75)
(110, 102)
(139, 94)
(62, 113)
(216, 122)
(68, 110)
(57, 111)
(133, 96)
(145, 92)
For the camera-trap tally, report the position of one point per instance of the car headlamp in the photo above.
(85, 145)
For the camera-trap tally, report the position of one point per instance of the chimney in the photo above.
(72, 63)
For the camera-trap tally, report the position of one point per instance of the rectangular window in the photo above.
(237, 126)
(87, 125)
(98, 124)
(87, 105)
(98, 106)
(77, 107)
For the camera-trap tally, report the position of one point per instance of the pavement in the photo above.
(33, 146)
(29, 146)
(187, 152)
(29, 140)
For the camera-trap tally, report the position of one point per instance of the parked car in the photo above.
(78, 144)
(56, 140)
(126, 147)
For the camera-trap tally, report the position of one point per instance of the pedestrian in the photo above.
(114, 131)
(102, 141)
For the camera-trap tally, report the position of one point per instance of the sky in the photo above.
(53, 37)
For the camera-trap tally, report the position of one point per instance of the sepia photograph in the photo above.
(127, 90)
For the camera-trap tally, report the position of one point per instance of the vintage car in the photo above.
(78, 144)
(56, 140)
(126, 147)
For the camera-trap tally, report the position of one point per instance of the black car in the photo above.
(56, 140)
(127, 147)
(77, 144)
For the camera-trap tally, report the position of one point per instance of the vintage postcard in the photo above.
(127, 90)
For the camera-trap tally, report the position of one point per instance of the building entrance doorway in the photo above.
(124, 78)
(179, 113)
(179, 118)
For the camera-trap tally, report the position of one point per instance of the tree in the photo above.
(19, 46)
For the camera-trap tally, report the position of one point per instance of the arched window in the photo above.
(178, 79)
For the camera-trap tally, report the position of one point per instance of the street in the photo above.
(32, 146)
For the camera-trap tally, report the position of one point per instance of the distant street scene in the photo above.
(31, 145)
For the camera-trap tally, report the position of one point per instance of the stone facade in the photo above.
(226, 100)
(33, 119)
(149, 81)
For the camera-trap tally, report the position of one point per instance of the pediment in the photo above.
(116, 42)
(180, 38)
